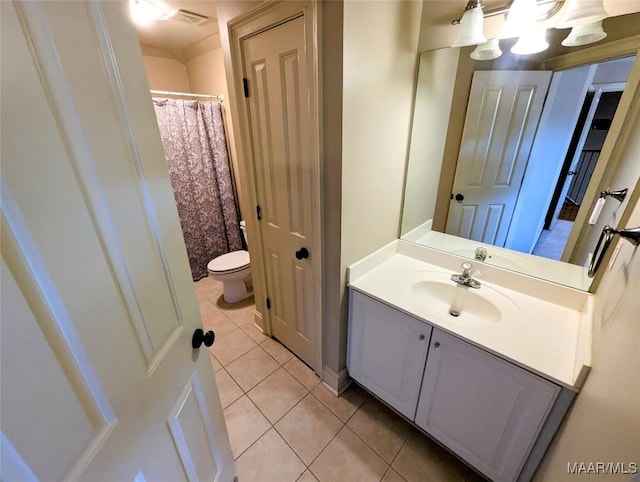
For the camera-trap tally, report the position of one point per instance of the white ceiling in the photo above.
(175, 35)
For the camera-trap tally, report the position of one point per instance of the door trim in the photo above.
(257, 20)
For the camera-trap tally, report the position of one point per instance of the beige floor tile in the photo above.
(346, 404)
(214, 319)
(308, 428)
(380, 428)
(307, 477)
(392, 476)
(277, 350)
(209, 287)
(245, 424)
(277, 394)
(231, 346)
(421, 459)
(215, 363)
(269, 460)
(348, 458)
(227, 388)
(254, 332)
(251, 368)
(302, 373)
(242, 313)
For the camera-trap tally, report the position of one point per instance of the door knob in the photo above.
(459, 197)
(302, 253)
(200, 337)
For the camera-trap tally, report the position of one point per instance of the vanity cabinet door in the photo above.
(386, 352)
(483, 408)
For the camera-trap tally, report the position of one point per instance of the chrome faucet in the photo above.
(481, 253)
(465, 278)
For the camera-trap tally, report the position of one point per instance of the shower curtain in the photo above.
(193, 139)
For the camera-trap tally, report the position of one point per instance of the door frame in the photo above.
(617, 138)
(254, 21)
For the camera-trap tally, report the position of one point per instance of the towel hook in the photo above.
(631, 234)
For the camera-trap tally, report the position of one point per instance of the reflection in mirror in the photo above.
(511, 155)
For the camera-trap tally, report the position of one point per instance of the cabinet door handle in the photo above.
(436, 344)
(421, 337)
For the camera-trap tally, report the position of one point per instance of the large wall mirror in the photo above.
(509, 157)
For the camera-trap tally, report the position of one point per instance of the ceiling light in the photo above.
(471, 26)
(144, 12)
(582, 12)
(489, 50)
(531, 42)
(521, 17)
(585, 34)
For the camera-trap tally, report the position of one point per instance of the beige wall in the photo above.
(604, 423)
(380, 66)
(166, 73)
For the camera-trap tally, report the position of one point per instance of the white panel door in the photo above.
(387, 352)
(99, 381)
(287, 180)
(484, 409)
(502, 117)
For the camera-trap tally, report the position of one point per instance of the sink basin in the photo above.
(436, 292)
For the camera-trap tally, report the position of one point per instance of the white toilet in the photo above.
(234, 270)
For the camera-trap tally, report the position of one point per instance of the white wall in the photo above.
(436, 79)
(604, 423)
(379, 74)
(166, 73)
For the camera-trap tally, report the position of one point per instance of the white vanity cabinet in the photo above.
(495, 415)
(387, 352)
(481, 407)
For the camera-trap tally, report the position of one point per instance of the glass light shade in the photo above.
(471, 25)
(582, 12)
(531, 42)
(585, 34)
(521, 17)
(487, 51)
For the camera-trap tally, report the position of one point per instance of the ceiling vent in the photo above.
(190, 17)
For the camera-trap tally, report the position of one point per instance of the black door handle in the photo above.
(302, 253)
(200, 337)
(459, 197)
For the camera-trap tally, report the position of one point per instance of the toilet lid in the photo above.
(229, 262)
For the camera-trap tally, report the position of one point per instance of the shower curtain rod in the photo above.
(219, 97)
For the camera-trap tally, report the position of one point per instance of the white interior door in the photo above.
(502, 117)
(287, 179)
(98, 378)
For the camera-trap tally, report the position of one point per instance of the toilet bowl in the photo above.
(234, 271)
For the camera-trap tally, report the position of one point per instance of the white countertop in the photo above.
(551, 338)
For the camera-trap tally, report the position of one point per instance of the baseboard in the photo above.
(335, 382)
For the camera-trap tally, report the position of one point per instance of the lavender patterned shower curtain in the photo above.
(193, 139)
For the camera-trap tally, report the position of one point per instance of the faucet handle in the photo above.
(466, 268)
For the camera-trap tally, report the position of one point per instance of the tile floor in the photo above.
(284, 425)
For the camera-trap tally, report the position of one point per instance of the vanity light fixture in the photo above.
(583, 16)
(489, 50)
(471, 25)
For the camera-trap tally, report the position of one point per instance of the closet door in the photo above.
(276, 69)
(99, 378)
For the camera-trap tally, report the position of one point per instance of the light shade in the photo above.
(471, 25)
(521, 18)
(582, 12)
(531, 42)
(487, 51)
(585, 34)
